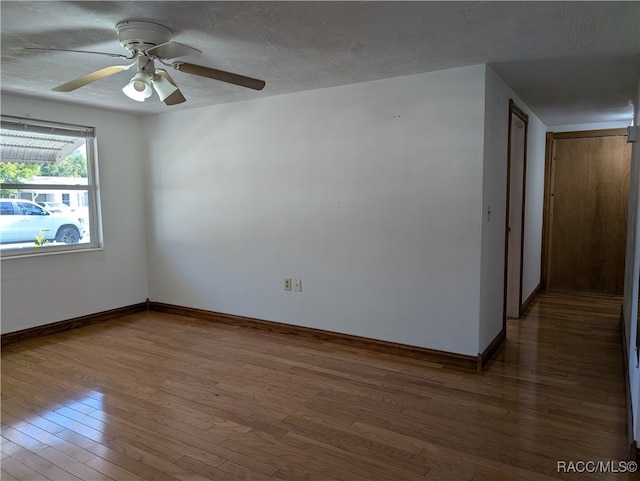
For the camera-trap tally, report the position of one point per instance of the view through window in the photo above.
(47, 187)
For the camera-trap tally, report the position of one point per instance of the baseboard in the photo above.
(633, 446)
(60, 326)
(527, 304)
(487, 354)
(430, 355)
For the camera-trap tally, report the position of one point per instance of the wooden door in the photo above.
(588, 191)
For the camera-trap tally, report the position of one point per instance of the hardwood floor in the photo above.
(154, 396)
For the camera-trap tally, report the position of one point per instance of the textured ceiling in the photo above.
(571, 62)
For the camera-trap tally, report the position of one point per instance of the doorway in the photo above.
(514, 239)
(586, 211)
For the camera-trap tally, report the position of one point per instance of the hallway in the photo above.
(566, 353)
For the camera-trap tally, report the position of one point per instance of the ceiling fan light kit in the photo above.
(163, 87)
(147, 42)
(139, 87)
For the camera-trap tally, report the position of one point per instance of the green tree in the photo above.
(74, 165)
(16, 173)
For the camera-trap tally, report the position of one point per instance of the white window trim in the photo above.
(92, 187)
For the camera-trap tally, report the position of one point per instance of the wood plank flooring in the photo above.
(153, 396)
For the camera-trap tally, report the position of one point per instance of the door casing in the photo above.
(515, 218)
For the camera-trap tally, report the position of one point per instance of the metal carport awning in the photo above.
(35, 147)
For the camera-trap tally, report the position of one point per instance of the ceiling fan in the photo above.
(146, 43)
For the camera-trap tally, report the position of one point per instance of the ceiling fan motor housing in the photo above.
(138, 35)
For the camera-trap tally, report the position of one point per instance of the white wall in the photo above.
(632, 273)
(371, 193)
(496, 136)
(45, 289)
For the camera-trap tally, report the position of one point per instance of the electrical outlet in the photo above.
(297, 285)
(287, 284)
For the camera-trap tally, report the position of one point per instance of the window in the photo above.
(6, 209)
(48, 193)
(29, 209)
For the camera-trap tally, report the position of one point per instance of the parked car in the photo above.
(22, 220)
(57, 207)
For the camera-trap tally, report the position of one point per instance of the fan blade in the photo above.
(176, 97)
(114, 55)
(171, 50)
(212, 73)
(92, 77)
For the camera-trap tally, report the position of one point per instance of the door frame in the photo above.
(520, 190)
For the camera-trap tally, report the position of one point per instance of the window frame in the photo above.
(94, 224)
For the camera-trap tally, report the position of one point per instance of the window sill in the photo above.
(45, 251)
